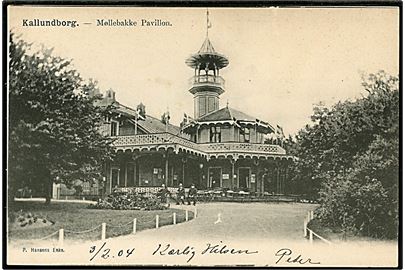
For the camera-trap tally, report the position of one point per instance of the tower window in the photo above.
(211, 104)
(201, 106)
(244, 135)
(215, 134)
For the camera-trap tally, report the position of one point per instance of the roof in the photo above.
(226, 113)
(149, 123)
(207, 55)
(207, 47)
(230, 116)
(154, 125)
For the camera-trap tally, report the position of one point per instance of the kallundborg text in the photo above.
(49, 23)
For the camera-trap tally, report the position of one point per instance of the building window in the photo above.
(215, 134)
(114, 128)
(244, 135)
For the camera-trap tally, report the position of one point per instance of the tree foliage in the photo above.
(53, 124)
(349, 157)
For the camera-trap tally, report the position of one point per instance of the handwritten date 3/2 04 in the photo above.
(106, 253)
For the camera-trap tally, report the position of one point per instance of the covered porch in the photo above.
(229, 173)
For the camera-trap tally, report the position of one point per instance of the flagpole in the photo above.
(256, 131)
(207, 22)
(136, 122)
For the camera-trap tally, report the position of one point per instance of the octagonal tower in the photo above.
(206, 85)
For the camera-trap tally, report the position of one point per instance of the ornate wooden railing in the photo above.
(241, 147)
(225, 147)
(206, 80)
(144, 139)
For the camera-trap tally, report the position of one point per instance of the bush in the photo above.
(129, 201)
(360, 208)
(22, 219)
(350, 155)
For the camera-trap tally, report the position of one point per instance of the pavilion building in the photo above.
(219, 148)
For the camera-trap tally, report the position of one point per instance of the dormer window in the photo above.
(114, 128)
(215, 134)
(244, 135)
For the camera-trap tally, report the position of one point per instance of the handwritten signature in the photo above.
(286, 255)
(190, 251)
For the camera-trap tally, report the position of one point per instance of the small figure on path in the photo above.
(192, 195)
(181, 194)
(219, 219)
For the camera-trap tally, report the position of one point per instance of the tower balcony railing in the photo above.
(157, 139)
(206, 80)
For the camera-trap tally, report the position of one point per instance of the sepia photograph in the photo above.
(202, 136)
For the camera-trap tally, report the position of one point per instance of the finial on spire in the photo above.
(227, 103)
(209, 25)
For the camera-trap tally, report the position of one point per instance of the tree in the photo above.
(53, 122)
(349, 157)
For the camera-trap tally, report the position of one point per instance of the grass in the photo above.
(335, 234)
(76, 217)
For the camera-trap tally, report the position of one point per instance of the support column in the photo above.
(256, 166)
(119, 176)
(172, 174)
(183, 161)
(286, 177)
(200, 173)
(134, 180)
(233, 173)
(278, 179)
(209, 184)
(137, 177)
(110, 174)
(126, 174)
(166, 168)
(282, 180)
(207, 174)
(264, 176)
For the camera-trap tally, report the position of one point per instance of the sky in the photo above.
(282, 60)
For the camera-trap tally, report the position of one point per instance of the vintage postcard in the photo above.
(195, 136)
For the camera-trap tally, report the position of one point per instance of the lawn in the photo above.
(336, 234)
(76, 217)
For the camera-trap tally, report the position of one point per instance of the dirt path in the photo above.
(241, 221)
